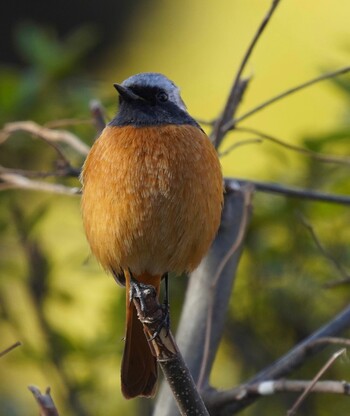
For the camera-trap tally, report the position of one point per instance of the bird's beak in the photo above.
(127, 93)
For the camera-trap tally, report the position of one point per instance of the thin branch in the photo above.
(239, 144)
(329, 341)
(62, 171)
(308, 389)
(15, 181)
(98, 114)
(238, 87)
(10, 348)
(307, 152)
(231, 124)
(46, 404)
(321, 248)
(270, 387)
(288, 191)
(50, 136)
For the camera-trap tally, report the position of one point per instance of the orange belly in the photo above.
(152, 198)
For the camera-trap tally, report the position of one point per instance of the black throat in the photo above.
(142, 113)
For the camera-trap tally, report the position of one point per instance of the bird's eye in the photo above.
(162, 96)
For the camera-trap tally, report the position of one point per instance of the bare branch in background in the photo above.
(239, 84)
(309, 388)
(288, 191)
(270, 387)
(232, 124)
(239, 144)
(10, 348)
(345, 275)
(48, 135)
(45, 402)
(98, 115)
(15, 181)
(306, 152)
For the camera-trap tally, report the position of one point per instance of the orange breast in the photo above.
(152, 198)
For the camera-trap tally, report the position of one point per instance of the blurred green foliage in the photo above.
(70, 318)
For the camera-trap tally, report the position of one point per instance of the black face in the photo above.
(148, 106)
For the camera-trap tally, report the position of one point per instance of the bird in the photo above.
(152, 196)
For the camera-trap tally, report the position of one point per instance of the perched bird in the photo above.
(151, 203)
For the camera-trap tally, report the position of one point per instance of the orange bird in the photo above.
(151, 204)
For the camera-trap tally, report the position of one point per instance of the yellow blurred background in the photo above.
(199, 45)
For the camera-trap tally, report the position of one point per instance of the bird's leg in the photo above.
(166, 306)
(165, 321)
(136, 291)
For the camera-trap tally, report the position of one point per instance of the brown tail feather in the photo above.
(139, 367)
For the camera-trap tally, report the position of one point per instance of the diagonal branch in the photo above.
(231, 124)
(45, 402)
(315, 155)
(239, 84)
(310, 386)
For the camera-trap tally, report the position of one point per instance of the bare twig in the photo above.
(239, 144)
(61, 171)
(278, 189)
(239, 85)
(46, 404)
(10, 348)
(324, 252)
(231, 124)
(50, 136)
(306, 152)
(270, 387)
(328, 341)
(15, 181)
(307, 390)
(98, 115)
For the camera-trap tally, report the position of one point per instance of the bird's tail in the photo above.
(139, 366)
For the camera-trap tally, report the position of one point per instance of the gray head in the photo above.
(149, 99)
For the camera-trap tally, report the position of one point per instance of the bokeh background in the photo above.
(54, 297)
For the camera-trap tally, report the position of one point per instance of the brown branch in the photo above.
(168, 355)
(50, 136)
(231, 124)
(288, 191)
(311, 385)
(46, 404)
(10, 348)
(239, 84)
(306, 152)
